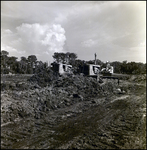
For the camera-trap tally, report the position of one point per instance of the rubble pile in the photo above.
(61, 93)
(44, 77)
(46, 91)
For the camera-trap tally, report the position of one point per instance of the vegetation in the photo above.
(30, 65)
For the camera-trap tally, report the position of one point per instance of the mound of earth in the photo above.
(71, 112)
(61, 93)
(138, 78)
(44, 77)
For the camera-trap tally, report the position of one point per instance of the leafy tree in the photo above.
(117, 66)
(4, 60)
(64, 57)
(90, 62)
(12, 63)
(124, 67)
(4, 53)
(23, 65)
(71, 57)
(57, 57)
(40, 66)
(78, 66)
(133, 68)
(99, 62)
(32, 60)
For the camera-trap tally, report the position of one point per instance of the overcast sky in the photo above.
(114, 30)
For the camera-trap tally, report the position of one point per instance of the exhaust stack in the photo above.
(95, 59)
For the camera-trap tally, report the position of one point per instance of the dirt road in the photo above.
(98, 123)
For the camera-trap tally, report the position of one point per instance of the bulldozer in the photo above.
(94, 70)
(90, 70)
(62, 69)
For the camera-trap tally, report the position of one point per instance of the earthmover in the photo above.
(61, 68)
(90, 70)
(94, 70)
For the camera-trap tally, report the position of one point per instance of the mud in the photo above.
(75, 112)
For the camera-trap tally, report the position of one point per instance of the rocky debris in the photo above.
(119, 91)
(60, 93)
(31, 100)
(71, 94)
(138, 78)
(44, 77)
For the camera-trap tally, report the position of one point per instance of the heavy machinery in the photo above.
(94, 70)
(61, 68)
(108, 72)
(90, 70)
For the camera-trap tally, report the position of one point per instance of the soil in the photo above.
(73, 112)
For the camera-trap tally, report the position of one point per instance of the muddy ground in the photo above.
(73, 112)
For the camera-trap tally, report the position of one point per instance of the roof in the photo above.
(93, 65)
(66, 65)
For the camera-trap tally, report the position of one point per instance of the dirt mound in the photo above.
(138, 78)
(53, 118)
(61, 93)
(44, 77)
(66, 104)
(85, 86)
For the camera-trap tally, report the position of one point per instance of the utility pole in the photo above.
(95, 59)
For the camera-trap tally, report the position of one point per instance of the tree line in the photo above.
(30, 65)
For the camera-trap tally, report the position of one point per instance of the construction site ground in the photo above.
(73, 112)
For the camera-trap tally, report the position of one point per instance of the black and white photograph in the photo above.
(73, 74)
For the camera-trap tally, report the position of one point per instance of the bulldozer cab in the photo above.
(62, 68)
(91, 70)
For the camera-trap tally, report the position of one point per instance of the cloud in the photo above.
(61, 18)
(111, 19)
(8, 31)
(9, 48)
(54, 38)
(16, 41)
(32, 39)
(12, 51)
(106, 27)
(31, 32)
(88, 43)
(51, 37)
(46, 53)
